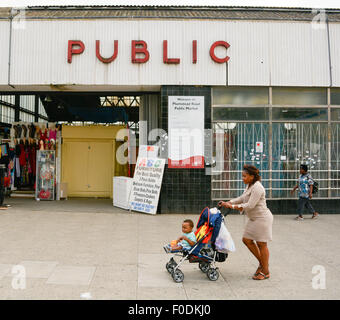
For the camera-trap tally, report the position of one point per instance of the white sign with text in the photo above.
(186, 131)
(146, 184)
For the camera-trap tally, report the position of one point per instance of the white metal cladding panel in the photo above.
(40, 53)
(298, 54)
(261, 53)
(334, 35)
(4, 51)
(249, 62)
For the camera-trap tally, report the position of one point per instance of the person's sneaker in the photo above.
(315, 215)
(298, 218)
(166, 248)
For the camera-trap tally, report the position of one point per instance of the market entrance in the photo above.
(91, 129)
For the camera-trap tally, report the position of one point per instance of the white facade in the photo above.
(4, 53)
(334, 32)
(262, 53)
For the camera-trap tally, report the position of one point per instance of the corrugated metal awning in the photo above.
(165, 12)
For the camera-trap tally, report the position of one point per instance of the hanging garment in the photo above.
(24, 128)
(17, 168)
(32, 158)
(32, 130)
(22, 156)
(53, 134)
(43, 134)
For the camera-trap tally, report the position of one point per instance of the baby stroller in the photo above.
(203, 252)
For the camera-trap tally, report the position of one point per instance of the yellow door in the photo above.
(76, 167)
(100, 168)
(88, 168)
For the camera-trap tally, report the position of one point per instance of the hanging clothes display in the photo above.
(26, 140)
(4, 162)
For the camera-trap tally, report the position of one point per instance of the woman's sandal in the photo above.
(261, 276)
(257, 272)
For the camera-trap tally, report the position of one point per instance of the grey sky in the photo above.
(253, 3)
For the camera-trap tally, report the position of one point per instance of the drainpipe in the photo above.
(329, 53)
(10, 47)
(328, 103)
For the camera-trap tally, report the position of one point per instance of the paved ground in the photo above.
(87, 249)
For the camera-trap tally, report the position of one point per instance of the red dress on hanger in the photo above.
(22, 157)
(43, 134)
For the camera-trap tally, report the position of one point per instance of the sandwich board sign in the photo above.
(146, 185)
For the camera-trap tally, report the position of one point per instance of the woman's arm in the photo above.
(255, 196)
(232, 201)
(237, 200)
(230, 205)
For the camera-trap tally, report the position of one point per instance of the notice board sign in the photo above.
(146, 185)
(186, 131)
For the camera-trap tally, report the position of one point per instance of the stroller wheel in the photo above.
(204, 266)
(213, 274)
(170, 265)
(177, 275)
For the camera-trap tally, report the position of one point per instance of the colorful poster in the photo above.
(186, 131)
(146, 184)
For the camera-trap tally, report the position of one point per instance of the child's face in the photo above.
(186, 228)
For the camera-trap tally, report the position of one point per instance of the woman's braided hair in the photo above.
(252, 171)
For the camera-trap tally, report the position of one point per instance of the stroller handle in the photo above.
(226, 212)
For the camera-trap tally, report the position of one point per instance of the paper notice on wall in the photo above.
(146, 184)
(259, 147)
(148, 151)
(186, 131)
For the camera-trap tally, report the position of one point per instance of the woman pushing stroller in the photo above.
(258, 230)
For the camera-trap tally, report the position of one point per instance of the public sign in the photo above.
(186, 132)
(140, 48)
(146, 184)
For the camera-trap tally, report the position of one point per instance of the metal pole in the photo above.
(270, 141)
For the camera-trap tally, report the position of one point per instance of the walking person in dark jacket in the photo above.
(305, 186)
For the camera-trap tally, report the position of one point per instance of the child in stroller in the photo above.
(186, 241)
(203, 251)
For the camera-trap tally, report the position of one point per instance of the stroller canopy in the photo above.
(213, 220)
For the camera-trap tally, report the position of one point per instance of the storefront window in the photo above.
(335, 160)
(335, 114)
(240, 95)
(236, 144)
(294, 144)
(278, 138)
(299, 96)
(228, 113)
(335, 96)
(300, 114)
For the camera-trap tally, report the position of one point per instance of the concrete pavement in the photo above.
(88, 249)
